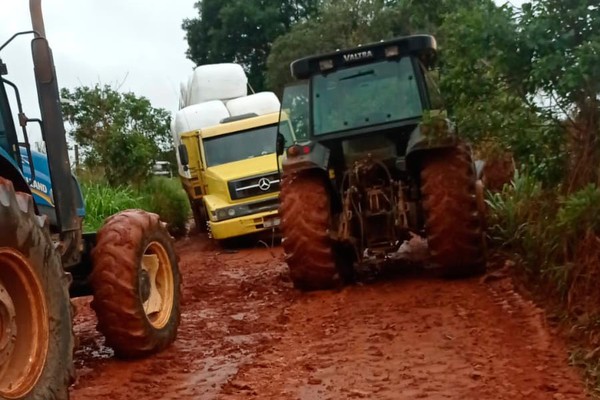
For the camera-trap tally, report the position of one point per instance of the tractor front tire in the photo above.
(453, 224)
(136, 284)
(305, 223)
(36, 331)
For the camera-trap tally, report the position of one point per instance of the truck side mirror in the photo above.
(183, 155)
(280, 146)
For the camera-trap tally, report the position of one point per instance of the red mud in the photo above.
(245, 333)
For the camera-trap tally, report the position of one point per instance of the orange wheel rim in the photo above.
(158, 297)
(23, 325)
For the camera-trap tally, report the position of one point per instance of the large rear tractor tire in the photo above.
(136, 284)
(36, 335)
(453, 224)
(305, 222)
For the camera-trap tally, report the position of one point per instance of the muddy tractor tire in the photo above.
(136, 284)
(453, 224)
(36, 331)
(305, 223)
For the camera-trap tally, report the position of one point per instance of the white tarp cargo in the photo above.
(217, 82)
(182, 95)
(260, 103)
(200, 116)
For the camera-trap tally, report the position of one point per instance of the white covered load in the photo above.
(216, 82)
(183, 95)
(199, 116)
(260, 104)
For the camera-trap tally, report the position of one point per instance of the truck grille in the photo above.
(254, 186)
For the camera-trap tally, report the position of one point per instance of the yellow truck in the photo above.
(232, 178)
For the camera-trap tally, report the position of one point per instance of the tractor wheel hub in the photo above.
(8, 325)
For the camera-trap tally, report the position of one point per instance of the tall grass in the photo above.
(160, 195)
(102, 201)
(556, 237)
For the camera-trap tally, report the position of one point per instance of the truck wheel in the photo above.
(136, 284)
(36, 332)
(452, 221)
(200, 217)
(305, 221)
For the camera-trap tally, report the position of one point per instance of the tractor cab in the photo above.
(366, 88)
(374, 164)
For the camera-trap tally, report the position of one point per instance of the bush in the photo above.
(167, 198)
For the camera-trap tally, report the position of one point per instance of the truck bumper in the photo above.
(244, 225)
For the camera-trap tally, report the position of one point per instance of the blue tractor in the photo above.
(129, 265)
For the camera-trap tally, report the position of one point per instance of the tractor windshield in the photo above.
(240, 145)
(365, 95)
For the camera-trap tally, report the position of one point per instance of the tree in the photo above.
(119, 132)
(350, 23)
(337, 25)
(242, 31)
(562, 44)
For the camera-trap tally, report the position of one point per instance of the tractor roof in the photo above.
(422, 46)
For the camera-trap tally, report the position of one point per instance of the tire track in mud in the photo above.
(414, 339)
(230, 312)
(246, 333)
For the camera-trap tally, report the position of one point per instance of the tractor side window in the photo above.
(365, 95)
(435, 95)
(294, 113)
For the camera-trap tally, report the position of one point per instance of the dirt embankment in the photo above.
(246, 333)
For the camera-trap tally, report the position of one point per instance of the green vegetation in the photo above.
(119, 133)
(167, 198)
(242, 31)
(159, 195)
(102, 201)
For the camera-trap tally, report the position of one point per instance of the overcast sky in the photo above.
(139, 43)
(136, 43)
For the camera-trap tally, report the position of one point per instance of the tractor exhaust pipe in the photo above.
(37, 19)
(53, 129)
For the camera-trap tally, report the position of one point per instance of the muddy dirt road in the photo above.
(246, 333)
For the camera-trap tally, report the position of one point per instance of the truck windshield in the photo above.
(365, 95)
(240, 145)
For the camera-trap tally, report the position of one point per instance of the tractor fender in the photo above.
(419, 143)
(316, 156)
(41, 187)
(314, 162)
(11, 171)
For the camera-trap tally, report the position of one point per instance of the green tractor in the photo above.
(129, 266)
(379, 162)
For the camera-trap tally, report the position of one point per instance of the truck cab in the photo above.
(234, 180)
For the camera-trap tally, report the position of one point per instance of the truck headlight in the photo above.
(232, 212)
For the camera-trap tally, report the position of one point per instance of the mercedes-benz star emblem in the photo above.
(264, 184)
